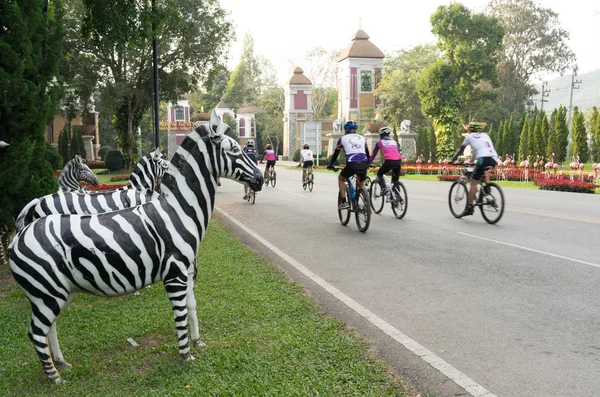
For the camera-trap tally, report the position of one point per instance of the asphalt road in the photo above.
(456, 307)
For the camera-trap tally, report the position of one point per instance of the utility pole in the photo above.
(574, 86)
(545, 94)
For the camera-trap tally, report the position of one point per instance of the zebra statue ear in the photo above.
(157, 154)
(217, 129)
(78, 159)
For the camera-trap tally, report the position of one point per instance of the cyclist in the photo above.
(251, 152)
(391, 155)
(357, 159)
(306, 159)
(269, 153)
(486, 155)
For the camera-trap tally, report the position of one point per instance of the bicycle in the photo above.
(251, 196)
(309, 181)
(271, 177)
(359, 204)
(397, 197)
(490, 204)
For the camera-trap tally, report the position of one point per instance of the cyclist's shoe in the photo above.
(487, 189)
(344, 205)
(245, 197)
(469, 210)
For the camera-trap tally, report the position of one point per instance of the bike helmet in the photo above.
(385, 131)
(250, 143)
(476, 126)
(269, 147)
(350, 125)
(306, 146)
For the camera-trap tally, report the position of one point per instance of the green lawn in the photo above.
(263, 336)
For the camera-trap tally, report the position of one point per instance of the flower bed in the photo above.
(119, 178)
(103, 187)
(565, 185)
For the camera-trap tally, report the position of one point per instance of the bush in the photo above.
(341, 159)
(114, 160)
(94, 165)
(103, 151)
(54, 158)
(296, 156)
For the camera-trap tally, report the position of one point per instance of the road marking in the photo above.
(532, 250)
(462, 380)
(296, 194)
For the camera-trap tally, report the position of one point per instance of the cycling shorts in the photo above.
(355, 168)
(270, 163)
(390, 165)
(308, 164)
(482, 164)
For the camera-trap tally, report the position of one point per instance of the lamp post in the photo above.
(155, 70)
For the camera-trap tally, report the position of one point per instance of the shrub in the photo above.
(341, 159)
(103, 151)
(95, 164)
(114, 160)
(54, 157)
(565, 185)
(296, 156)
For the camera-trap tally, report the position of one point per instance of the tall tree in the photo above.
(524, 144)
(269, 118)
(499, 144)
(562, 134)
(31, 37)
(579, 135)
(533, 42)
(398, 86)
(552, 146)
(320, 66)
(595, 133)
(117, 36)
(545, 131)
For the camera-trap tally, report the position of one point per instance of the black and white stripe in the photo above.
(142, 182)
(117, 253)
(72, 173)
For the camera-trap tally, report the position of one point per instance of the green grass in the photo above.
(263, 336)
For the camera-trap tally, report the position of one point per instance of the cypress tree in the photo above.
(500, 145)
(562, 133)
(523, 144)
(77, 145)
(595, 133)
(552, 146)
(545, 130)
(579, 135)
(63, 146)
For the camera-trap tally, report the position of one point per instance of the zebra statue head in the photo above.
(149, 171)
(73, 172)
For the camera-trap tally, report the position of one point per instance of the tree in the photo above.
(552, 146)
(398, 85)
(63, 146)
(499, 142)
(595, 133)
(269, 118)
(320, 66)
(533, 42)
(117, 36)
(440, 99)
(562, 133)
(524, 143)
(31, 47)
(579, 135)
(545, 131)
(77, 145)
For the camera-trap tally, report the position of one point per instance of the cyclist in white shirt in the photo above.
(306, 159)
(486, 155)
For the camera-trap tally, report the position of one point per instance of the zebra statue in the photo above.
(117, 253)
(72, 173)
(144, 178)
(4, 230)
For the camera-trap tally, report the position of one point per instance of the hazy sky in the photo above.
(284, 30)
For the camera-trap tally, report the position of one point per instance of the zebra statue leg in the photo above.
(5, 233)
(175, 285)
(192, 314)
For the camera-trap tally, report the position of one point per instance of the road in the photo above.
(456, 307)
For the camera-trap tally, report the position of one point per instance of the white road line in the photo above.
(296, 194)
(532, 250)
(462, 380)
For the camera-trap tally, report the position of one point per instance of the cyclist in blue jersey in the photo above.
(251, 152)
(357, 159)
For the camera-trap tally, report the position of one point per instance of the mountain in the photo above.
(585, 97)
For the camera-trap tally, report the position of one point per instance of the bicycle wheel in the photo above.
(376, 198)
(344, 215)
(311, 182)
(399, 200)
(492, 205)
(304, 185)
(273, 179)
(252, 196)
(367, 181)
(457, 199)
(362, 210)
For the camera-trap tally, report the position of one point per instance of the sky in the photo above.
(283, 30)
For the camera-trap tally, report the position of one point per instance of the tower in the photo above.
(359, 73)
(298, 108)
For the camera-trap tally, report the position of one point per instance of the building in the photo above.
(246, 124)
(87, 125)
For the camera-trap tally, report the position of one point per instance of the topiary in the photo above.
(113, 160)
(296, 156)
(103, 151)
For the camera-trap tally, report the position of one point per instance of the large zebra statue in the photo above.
(117, 253)
(72, 173)
(144, 178)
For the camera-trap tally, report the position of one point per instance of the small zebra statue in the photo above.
(72, 173)
(145, 177)
(117, 253)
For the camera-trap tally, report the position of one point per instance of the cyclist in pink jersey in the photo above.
(391, 155)
(270, 154)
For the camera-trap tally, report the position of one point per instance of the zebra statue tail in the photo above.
(20, 222)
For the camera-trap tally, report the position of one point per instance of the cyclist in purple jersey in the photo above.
(270, 154)
(357, 159)
(486, 155)
(391, 155)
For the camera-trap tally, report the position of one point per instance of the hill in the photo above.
(585, 97)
